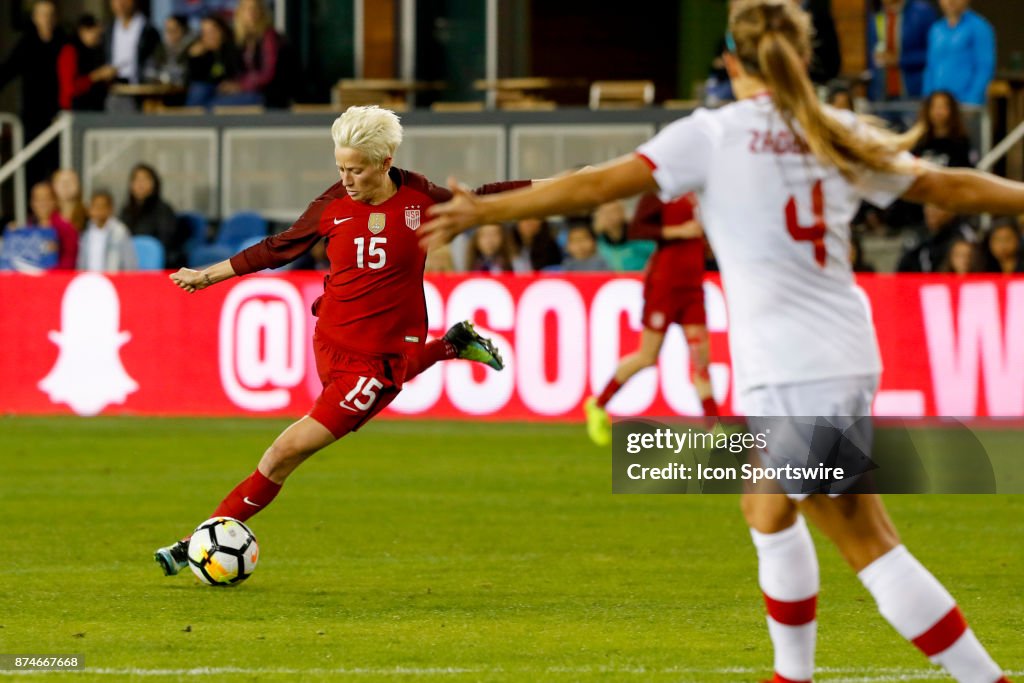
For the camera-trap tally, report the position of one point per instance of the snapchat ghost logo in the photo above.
(89, 375)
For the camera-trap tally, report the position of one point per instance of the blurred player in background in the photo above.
(673, 293)
(371, 329)
(780, 176)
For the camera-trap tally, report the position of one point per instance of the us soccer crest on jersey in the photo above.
(412, 218)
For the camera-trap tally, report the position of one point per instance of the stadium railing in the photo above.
(275, 163)
(17, 144)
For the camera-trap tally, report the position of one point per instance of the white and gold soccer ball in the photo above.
(223, 552)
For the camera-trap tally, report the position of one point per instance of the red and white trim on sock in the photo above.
(254, 493)
(922, 611)
(788, 576)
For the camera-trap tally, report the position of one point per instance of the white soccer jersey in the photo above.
(779, 223)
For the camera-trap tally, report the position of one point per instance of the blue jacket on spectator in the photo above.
(961, 58)
(916, 20)
(29, 249)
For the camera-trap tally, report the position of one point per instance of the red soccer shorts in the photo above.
(356, 386)
(664, 306)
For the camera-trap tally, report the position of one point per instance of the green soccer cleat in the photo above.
(173, 558)
(472, 346)
(599, 425)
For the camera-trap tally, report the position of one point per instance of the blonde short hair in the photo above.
(371, 130)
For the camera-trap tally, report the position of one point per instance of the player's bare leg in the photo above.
(908, 595)
(858, 524)
(599, 425)
(289, 450)
(294, 445)
(788, 578)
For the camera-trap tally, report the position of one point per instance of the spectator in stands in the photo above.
(840, 97)
(945, 141)
(83, 73)
(611, 226)
(34, 59)
(961, 259)
(534, 245)
(212, 60)
(1001, 250)
(925, 251)
(826, 61)
(857, 260)
(961, 54)
(48, 242)
(68, 189)
(489, 250)
(170, 62)
(130, 44)
(146, 213)
(260, 48)
(581, 247)
(45, 212)
(898, 48)
(106, 243)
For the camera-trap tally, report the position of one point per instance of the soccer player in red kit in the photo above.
(673, 293)
(371, 330)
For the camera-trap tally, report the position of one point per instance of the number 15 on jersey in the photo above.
(365, 257)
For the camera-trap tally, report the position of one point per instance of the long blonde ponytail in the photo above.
(773, 42)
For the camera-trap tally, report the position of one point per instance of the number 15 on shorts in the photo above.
(362, 396)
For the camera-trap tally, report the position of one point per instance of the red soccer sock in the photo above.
(432, 352)
(710, 407)
(249, 497)
(613, 386)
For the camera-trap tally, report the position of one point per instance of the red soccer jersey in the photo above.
(373, 295)
(677, 264)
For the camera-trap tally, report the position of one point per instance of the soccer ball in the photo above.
(223, 552)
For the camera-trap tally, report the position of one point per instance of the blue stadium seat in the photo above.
(149, 251)
(245, 244)
(240, 227)
(208, 254)
(193, 224)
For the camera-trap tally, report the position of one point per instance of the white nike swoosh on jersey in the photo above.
(339, 221)
(249, 502)
(346, 406)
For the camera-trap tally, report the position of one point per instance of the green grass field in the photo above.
(421, 551)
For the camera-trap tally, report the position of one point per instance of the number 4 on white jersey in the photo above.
(366, 387)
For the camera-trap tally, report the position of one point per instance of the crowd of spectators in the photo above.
(942, 56)
(63, 233)
(216, 64)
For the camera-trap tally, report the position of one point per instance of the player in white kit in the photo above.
(780, 176)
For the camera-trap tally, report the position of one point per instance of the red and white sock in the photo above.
(788, 575)
(249, 497)
(923, 612)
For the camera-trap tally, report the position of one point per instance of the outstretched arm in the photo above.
(967, 191)
(193, 280)
(571, 193)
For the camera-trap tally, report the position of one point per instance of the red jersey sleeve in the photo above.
(277, 250)
(506, 186)
(647, 221)
(440, 194)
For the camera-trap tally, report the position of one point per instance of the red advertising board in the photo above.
(134, 344)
